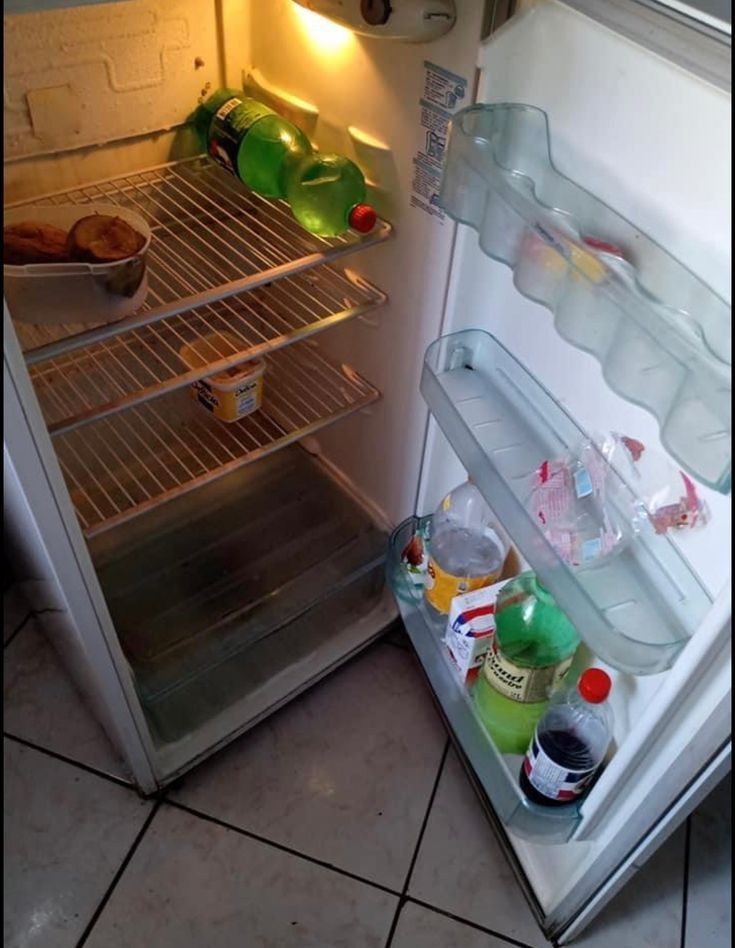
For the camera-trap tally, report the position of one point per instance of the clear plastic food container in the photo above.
(231, 394)
(52, 293)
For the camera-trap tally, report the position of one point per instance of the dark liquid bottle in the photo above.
(566, 750)
(570, 741)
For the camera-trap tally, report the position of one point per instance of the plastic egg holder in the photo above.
(661, 335)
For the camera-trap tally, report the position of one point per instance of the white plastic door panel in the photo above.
(621, 119)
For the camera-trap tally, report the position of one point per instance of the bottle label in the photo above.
(551, 780)
(442, 587)
(519, 683)
(230, 124)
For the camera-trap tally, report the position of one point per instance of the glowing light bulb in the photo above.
(325, 35)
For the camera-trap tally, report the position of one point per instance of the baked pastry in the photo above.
(103, 239)
(34, 242)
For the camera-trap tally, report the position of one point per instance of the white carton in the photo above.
(470, 629)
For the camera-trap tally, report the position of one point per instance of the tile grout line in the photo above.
(685, 885)
(508, 939)
(285, 849)
(17, 629)
(118, 781)
(32, 613)
(414, 857)
(118, 875)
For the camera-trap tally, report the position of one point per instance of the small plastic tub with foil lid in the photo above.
(230, 394)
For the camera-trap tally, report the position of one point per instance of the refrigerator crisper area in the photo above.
(230, 599)
(232, 585)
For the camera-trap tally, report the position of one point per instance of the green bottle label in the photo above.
(521, 683)
(230, 124)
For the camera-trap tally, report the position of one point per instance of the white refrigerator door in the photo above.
(651, 138)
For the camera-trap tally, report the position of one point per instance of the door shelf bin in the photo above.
(661, 335)
(635, 610)
(496, 773)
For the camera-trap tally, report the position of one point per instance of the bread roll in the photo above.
(34, 242)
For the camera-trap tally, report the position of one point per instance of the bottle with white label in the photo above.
(570, 742)
(468, 547)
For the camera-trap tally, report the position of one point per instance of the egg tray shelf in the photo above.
(661, 335)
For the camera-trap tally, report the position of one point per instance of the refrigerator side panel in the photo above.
(38, 511)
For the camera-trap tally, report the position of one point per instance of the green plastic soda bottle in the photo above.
(251, 141)
(274, 158)
(532, 649)
(327, 195)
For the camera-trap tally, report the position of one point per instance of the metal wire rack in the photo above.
(114, 374)
(212, 239)
(120, 466)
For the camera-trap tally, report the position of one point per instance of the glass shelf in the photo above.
(496, 773)
(635, 610)
(661, 335)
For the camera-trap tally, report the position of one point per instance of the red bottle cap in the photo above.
(362, 218)
(594, 685)
(603, 246)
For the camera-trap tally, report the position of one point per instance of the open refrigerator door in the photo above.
(570, 332)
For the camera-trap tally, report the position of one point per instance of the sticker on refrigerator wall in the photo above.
(443, 93)
(443, 88)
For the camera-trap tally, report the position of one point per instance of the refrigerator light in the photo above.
(414, 21)
(328, 37)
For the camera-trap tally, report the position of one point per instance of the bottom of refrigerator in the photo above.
(230, 600)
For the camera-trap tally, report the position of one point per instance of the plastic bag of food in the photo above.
(581, 508)
(666, 496)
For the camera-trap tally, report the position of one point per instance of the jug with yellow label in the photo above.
(468, 548)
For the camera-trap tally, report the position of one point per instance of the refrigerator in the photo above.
(193, 575)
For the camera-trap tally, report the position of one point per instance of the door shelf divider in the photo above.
(109, 376)
(123, 465)
(496, 773)
(213, 238)
(636, 609)
(661, 335)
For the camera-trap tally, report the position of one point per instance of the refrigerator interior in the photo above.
(359, 96)
(98, 102)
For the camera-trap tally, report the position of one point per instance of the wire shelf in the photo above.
(121, 466)
(108, 376)
(212, 239)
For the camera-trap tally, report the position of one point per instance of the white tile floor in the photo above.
(343, 820)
